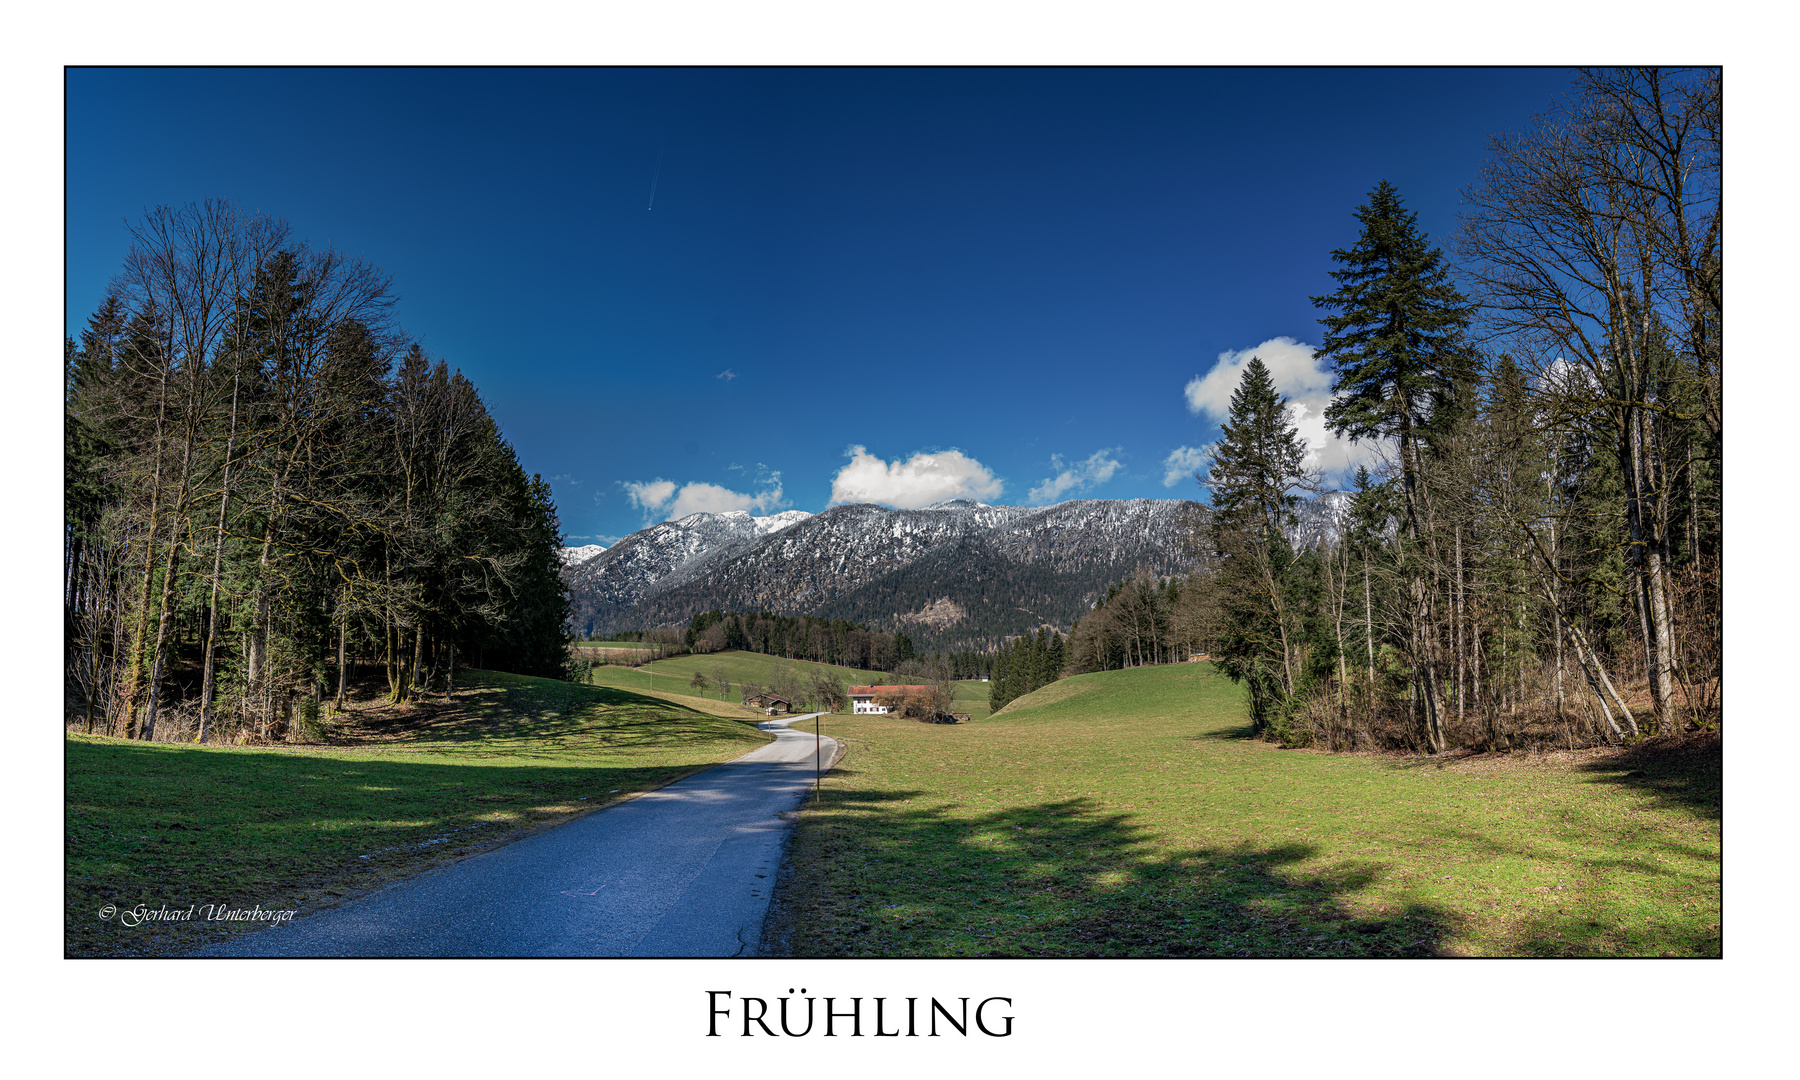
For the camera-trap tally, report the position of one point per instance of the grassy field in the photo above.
(740, 667)
(1125, 813)
(971, 696)
(395, 792)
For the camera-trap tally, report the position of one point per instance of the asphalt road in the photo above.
(682, 871)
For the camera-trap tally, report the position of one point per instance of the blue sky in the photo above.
(1020, 285)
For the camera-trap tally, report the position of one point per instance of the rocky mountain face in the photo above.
(663, 556)
(952, 575)
(1319, 519)
(955, 575)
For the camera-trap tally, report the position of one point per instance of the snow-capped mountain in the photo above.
(666, 554)
(1000, 564)
(575, 556)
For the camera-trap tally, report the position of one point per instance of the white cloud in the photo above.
(700, 498)
(1183, 462)
(1076, 478)
(663, 497)
(650, 496)
(1304, 381)
(920, 481)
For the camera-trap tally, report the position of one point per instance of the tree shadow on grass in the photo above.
(489, 715)
(1589, 934)
(872, 875)
(1685, 773)
(1233, 733)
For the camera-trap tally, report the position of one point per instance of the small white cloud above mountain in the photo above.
(649, 496)
(1183, 463)
(919, 481)
(662, 498)
(1072, 479)
(701, 498)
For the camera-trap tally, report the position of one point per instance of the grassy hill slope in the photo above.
(1123, 813)
(396, 791)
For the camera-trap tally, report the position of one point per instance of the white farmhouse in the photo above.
(862, 698)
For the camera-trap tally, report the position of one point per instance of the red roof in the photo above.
(871, 691)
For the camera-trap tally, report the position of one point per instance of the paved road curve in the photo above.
(682, 871)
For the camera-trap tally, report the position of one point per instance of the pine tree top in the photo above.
(1395, 339)
(1259, 456)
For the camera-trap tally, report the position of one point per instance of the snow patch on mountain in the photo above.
(1319, 520)
(796, 562)
(575, 556)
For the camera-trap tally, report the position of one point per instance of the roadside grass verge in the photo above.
(1125, 814)
(396, 792)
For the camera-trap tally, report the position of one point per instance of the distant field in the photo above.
(403, 790)
(1124, 813)
(609, 652)
(740, 667)
(971, 696)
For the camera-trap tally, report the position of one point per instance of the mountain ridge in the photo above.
(1007, 568)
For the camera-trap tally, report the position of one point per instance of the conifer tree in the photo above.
(1252, 472)
(1401, 371)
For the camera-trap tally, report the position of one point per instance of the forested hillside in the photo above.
(969, 595)
(955, 575)
(268, 483)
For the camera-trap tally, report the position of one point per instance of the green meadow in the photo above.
(394, 792)
(1127, 813)
(969, 695)
(740, 667)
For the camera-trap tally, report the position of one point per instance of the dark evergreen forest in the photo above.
(269, 487)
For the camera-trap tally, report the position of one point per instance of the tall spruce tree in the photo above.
(1252, 471)
(1395, 340)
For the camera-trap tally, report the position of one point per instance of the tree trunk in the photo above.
(159, 653)
(1460, 670)
(134, 674)
(418, 658)
(212, 600)
(343, 664)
